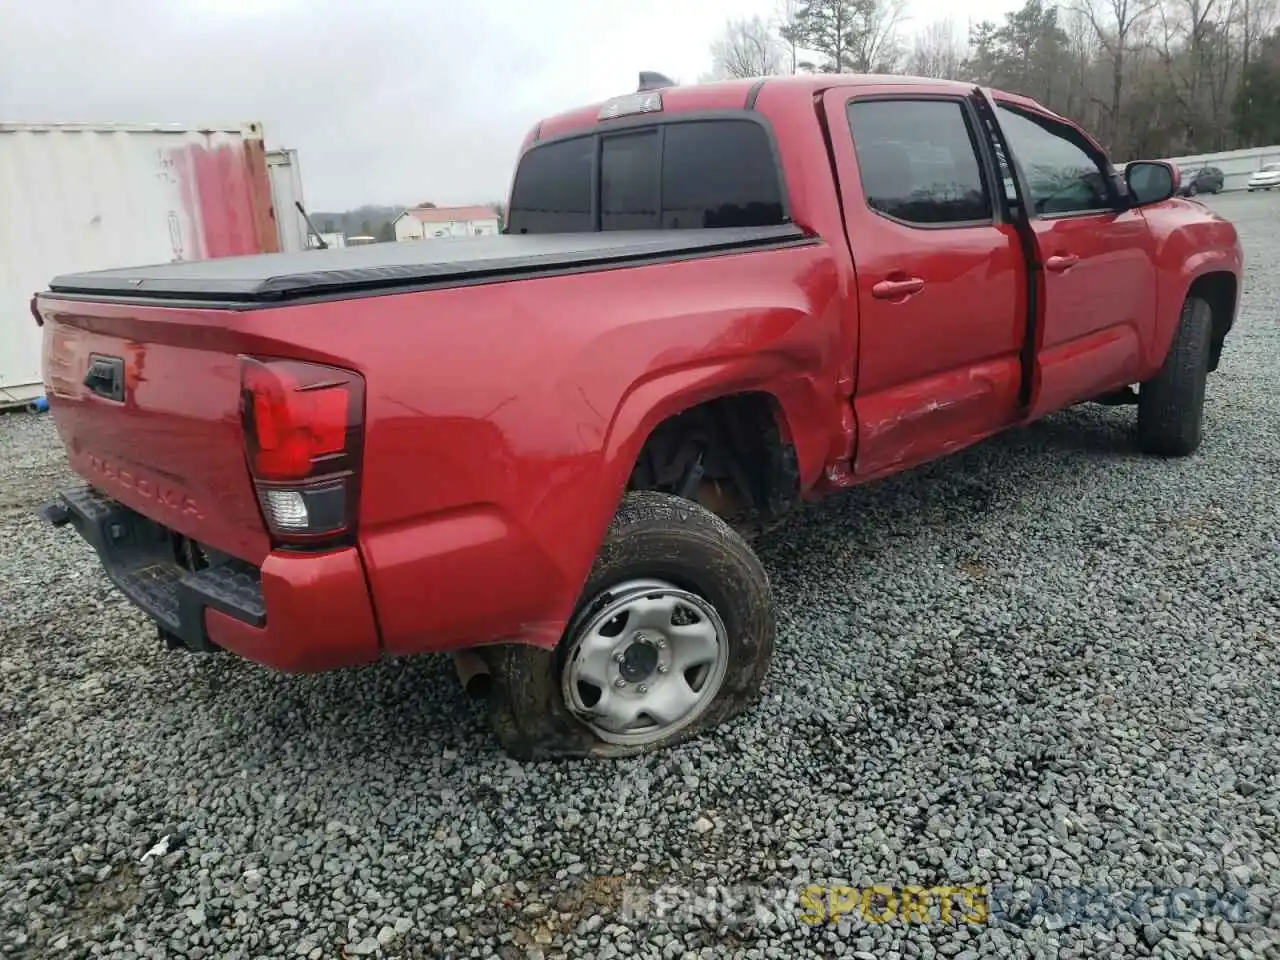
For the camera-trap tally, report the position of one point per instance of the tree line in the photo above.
(1149, 78)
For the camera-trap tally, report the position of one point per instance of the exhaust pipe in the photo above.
(473, 673)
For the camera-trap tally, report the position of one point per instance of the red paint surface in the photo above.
(940, 364)
(320, 616)
(177, 440)
(503, 420)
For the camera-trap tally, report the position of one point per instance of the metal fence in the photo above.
(1236, 165)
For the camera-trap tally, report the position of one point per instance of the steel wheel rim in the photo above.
(668, 647)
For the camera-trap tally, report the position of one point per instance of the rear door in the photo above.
(940, 276)
(1096, 262)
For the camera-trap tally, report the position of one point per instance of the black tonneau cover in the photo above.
(274, 277)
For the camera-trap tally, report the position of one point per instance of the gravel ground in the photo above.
(1045, 664)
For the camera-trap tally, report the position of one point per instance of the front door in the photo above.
(940, 276)
(1097, 262)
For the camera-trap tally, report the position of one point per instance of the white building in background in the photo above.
(426, 223)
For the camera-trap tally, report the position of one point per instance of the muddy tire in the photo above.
(1171, 404)
(664, 560)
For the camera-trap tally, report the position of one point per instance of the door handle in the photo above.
(1061, 262)
(105, 377)
(897, 289)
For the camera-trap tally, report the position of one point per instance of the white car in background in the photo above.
(1266, 178)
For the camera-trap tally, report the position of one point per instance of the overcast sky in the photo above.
(386, 101)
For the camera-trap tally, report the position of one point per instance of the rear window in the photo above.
(676, 176)
(629, 181)
(553, 188)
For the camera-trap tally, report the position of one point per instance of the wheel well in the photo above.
(1219, 291)
(729, 454)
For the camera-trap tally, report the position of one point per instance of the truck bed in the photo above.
(270, 279)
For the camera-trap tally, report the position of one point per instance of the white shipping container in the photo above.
(77, 197)
(286, 194)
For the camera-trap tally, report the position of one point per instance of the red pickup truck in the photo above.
(544, 451)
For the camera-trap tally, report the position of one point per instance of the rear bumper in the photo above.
(299, 613)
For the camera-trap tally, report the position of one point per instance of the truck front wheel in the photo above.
(674, 636)
(1171, 404)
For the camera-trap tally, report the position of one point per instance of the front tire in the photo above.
(673, 636)
(1171, 404)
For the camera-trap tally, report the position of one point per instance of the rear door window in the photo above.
(918, 161)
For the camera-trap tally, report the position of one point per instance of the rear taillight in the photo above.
(303, 434)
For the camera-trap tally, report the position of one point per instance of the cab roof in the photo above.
(741, 94)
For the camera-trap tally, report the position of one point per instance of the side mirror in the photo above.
(1151, 181)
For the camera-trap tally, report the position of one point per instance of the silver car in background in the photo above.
(1265, 178)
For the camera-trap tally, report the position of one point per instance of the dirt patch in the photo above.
(96, 903)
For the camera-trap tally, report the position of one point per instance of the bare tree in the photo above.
(878, 48)
(1081, 66)
(938, 51)
(746, 48)
(1114, 24)
(1151, 77)
(1188, 31)
(1257, 17)
(851, 36)
(786, 19)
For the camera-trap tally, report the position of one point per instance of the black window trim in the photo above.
(990, 175)
(1068, 133)
(638, 123)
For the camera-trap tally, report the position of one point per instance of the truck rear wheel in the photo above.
(1171, 404)
(674, 636)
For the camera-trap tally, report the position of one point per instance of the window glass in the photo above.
(719, 173)
(552, 192)
(712, 173)
(1061, 177)
(629, 182)
(917, 161)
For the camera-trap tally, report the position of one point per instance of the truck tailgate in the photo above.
(147, 401)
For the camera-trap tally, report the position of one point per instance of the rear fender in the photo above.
(801, 413)
(797, 409)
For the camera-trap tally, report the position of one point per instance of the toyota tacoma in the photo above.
(546, 451)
